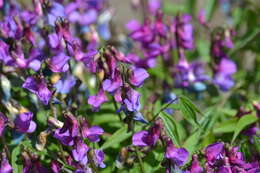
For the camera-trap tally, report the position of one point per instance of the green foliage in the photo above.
(171, 128)
(242, 123)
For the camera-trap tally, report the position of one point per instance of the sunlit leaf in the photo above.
(171, 128)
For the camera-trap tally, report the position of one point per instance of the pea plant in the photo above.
(174, 89)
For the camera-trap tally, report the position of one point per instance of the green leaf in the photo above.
(171, 128)
(250, 36)
(188, 110)
(226, 127)
(210, 8)
(192, 142)
(119, 136)
(191, 6)
(257, 143)
(17, 167)
(242, 123)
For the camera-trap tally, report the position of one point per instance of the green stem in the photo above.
(163, 108)
(140, 160)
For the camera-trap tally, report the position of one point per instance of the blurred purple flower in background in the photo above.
(65, 84)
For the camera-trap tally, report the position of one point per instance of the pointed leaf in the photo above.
(119, 136)
(242, 123)
(171, 128)
(188, 110)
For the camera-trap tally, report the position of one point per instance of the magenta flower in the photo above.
(24, 123)
(195, 165)
(214, 152)
(5, 166)
(184, 31)
(3, 121)
(38, 86)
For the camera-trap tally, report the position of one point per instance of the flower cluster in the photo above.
(223, 66)
(73, 133)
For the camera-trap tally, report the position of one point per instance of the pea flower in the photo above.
(80, 152)
(132, 100)
(97, 100)
(214, 152)
(137, 76)
(147, 138)
(38, 86)
(92, 133)
(223, 76)
(69, 130)
(65, 84)
(58, 63)
(98, 158)
(177, 156)
(24, 123)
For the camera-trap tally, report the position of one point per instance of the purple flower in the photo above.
(80, 152)
(98, 99)
(4, 53)
(24, 123)
(133, 25)
(214, 152)
(65, 84)
(57, 10)
(69, 130)
(98, 158)
(64, 137)
(187, 75)
(56, 166)
(3, 121)
(195, 166)
(178, 156)
(59, 63)
(38, 86)
(111, 85)
(140, 138)
(132, 100)
(92, 133)
(137, 76)
(154, 6)
(223, 76)
(184, 31)
(147, 138)
(54, 40)
(202, 17)
(5, 166)
(226, 67)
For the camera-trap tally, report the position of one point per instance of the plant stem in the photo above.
(163, 108)
(140, 160)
